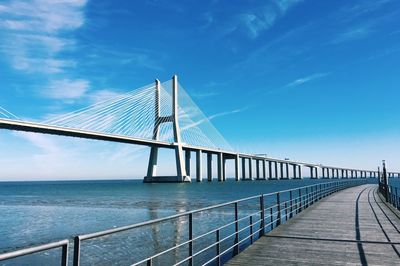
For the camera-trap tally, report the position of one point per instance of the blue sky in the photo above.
(310, 80)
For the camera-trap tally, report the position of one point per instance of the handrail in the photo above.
(261, 217)
(26, 251)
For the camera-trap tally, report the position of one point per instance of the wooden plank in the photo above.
(352, 227)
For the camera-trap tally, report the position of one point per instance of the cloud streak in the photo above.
(304, 80)
(33, 32)
(257, 21)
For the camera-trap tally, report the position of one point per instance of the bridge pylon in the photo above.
(181, 175)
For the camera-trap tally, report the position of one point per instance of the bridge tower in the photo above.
(158, 120)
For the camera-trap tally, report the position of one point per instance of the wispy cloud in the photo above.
(353, 34)
(41, 141)
(257, 21)
(211, 117)
(66, 89)
(301, 81)
(33, 32)
(202, 95)
(102, 95)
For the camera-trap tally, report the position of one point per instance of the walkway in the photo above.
(351, 227)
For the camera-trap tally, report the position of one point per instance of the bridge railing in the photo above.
(235, 225)
(391, 194)
(63, 244)
(251, 218)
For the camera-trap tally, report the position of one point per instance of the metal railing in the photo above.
(391, 194)
(251, 217)
(63, 244)
(282, 206)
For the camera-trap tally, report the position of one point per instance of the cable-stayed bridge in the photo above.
(163, 115)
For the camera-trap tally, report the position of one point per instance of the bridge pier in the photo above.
(181, 176)
(287, 171)
(187, 161)
(264, 170)
(257, 169)
(220, 162)
(237, 170)
(209, 166)
(294, 171)
(269, 170)
(243, 168)
(250, 168)
(199, 166)
(282, 175)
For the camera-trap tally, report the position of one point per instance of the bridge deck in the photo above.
(351, 227)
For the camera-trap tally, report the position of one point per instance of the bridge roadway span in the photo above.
(270, 168)
(351, 227)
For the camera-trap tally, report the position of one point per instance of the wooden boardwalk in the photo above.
(351, 227)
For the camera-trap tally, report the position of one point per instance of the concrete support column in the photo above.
(294, 171)
(269, 170)
(250, 169)
(311, 172)
(219, 167)
(356, 174)
(300, 174)
(323, 172)
(223, 167)
(243, 168)
(187, 161)
(316, 172)
(287, 171)
(281, 166)
(327, 170)
(209, 167)
(264, 170)
(257, 169)
(199, 166)
(276, 170)
(237, 170)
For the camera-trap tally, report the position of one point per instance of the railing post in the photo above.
(262, 232)
(191, 238)
(286, 211)
(218, 248)
(251, 229)
(271, 215)
(236, 249)
(320, 192)
(291, 203)
(397, 199)
(64, 255)
(149, 262)
(278, 204)
(300, 200)
(77, 251)
(306, 198)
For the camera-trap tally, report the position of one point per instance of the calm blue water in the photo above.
(38, 212)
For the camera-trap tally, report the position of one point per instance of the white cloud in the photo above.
(41, 141)
(211, 117)
(67, 89)
(33, 32)
(353, 34)
(103, 95)
(301, 81)
(255, 22)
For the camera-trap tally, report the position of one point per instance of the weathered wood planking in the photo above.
(351, 227)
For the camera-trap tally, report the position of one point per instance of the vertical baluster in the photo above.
(278, 204)
(218, 248)
(236, 249)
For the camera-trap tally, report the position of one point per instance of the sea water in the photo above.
(34, 213)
